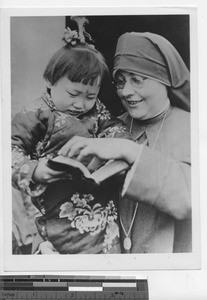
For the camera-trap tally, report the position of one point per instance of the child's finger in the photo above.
(53, 180)
(47, 248)
(54, 173)
(66, 177)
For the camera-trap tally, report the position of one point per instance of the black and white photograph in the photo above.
(101, 141)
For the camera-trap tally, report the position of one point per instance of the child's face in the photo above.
(74, 98)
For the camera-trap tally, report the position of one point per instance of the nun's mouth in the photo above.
(134, 103)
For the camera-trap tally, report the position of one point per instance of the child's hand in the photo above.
(43, 174)
(47, 248)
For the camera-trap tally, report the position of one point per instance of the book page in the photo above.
(110, 169)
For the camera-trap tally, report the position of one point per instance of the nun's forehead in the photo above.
(140, 46)
(131, 73)
(154, 56)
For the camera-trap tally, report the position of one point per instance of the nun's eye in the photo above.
(119, 84)
(137, 81)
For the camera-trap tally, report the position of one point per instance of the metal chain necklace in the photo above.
(127, 240)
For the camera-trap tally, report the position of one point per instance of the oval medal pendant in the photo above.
(127, 243)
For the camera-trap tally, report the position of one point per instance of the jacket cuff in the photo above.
(131, 172)
(25, 182)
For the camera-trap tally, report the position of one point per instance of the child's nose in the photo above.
(79, 103)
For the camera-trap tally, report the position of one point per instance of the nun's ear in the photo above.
(48, 84)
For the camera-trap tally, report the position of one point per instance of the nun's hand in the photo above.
(109, 148)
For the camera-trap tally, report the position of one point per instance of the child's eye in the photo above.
(72, 95)
(90, 98)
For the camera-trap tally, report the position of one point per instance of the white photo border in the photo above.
(106, 262)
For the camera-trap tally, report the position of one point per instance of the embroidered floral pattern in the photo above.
(81, 202)
(103, 112)
(17, 157)
(22, 169)
(39, 151)
(61, 120)
(112, 131)
(48, 100)
(95, 130)
(112, 231)
(68, 211)
(38, 132)
(91, 218)
(34, 107)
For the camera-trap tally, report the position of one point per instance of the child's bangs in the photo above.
(77, 64)
(86, 68)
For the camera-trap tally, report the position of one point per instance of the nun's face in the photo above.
(143, 98)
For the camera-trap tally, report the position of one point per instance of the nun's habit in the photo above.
(155, 211)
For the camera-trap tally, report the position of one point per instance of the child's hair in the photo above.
(79, 63)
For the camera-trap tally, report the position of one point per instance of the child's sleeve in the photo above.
(27, 130)
(109, 126)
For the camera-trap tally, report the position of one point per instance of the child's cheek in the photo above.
(90, 105)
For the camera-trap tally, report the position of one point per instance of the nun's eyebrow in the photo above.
(119, 75)
(138, 75)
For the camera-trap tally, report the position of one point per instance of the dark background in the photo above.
(105, 31)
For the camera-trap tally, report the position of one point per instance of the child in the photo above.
(74, 221)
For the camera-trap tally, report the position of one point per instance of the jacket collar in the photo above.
(148, 126)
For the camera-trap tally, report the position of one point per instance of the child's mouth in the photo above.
(74, 112)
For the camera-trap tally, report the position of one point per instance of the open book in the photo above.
(77, 177)
(78, 171)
